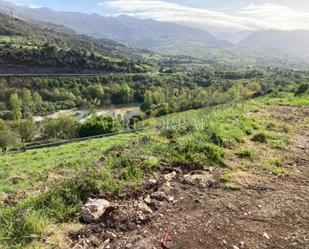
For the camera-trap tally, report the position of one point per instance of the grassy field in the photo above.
(31, 169)
(48, 187)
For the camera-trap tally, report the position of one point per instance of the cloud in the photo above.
(251, 17)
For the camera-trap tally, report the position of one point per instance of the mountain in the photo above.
(289, 44)
(28, 46)
(233, 37)
(144, 33)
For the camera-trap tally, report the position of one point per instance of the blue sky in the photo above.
(226, 14)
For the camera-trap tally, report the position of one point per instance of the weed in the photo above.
(246, 153)
(260, 137)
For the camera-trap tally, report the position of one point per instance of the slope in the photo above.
(292, 43)
(144, 33)
(28, 44)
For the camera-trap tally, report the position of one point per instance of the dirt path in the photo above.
(198, 212)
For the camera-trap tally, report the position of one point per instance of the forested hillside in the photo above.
(29, 46)
(178, 91)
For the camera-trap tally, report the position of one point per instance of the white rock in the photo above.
(170, 176)
(170, 199)
(128, 246)
(144, 208)
(94, 209)
(266, 235)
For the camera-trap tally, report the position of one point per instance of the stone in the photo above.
(266, 235)
(110, 235)
(148, 200)
(94, 209)
(170, 199)
(159, 196)
(128, 246)
(170, 176)
(205, 180)
(151, 183)
(142, 206)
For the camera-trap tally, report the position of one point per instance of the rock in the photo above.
(148, 200)
(105, 243)
(128, 246)
(142, 218)
(178, 171)
(235, 247)
(242, 244)
(205, 180)
(266, 235)
(142, 206)
(166, 187)
(170, 176)
(110, 235)
(94, 209)
(151, 183)
(159, 196)
(170, 199)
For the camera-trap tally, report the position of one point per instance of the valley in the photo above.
(153, 125)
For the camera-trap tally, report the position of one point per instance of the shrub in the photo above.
(302, 89)
(7, 136)
(26, 129)
(246, 154)
(98, 125)
(260, 137)
(63, 127)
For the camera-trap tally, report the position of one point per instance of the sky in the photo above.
(228, 14)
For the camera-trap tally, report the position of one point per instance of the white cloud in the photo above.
(264, 16)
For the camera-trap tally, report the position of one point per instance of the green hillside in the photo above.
(47, 187)
(27, 45)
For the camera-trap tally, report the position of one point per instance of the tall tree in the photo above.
(15, 105)
(28, 105)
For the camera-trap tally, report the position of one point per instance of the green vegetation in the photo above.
(32, 168)
(98, 125)
(117, 165)
(33, 47)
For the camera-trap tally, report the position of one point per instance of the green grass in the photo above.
(118, 165)
(286, 99)
(30, 169)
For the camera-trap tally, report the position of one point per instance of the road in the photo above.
(77, 75)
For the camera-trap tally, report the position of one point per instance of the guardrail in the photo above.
(69, 141)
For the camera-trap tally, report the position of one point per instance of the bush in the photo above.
(7, 136)
(260, 137)
(26, 129)
(302, 89)
(98, 125)
(63, 127)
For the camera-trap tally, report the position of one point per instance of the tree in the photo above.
(126, 93)
(63, 127)
(26, 129)
(27, 104)
(38, 102)
(98, 125)
(7, 136)
(15, 105)
(146, 106)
